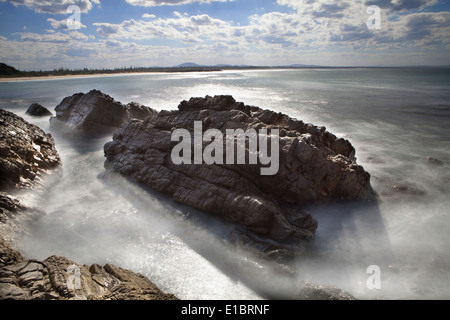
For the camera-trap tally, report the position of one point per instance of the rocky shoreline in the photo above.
(52, 279)
(28, 156)
(314, 167)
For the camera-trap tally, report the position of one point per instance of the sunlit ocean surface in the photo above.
(395, 118)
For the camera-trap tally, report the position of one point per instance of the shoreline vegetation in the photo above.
(9, 73)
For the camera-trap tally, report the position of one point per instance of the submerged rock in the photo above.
(26, 153)
(314, 166)
(311, 291)
(96, 114)
(388, 187)
(38, 110)
(435, 162)
(275, 281)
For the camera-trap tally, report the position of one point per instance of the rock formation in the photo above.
(434, 162)
(38, 110)
(58, 278)
(314, 166)
(96, 114)
(27, 154)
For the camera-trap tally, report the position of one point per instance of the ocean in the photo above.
(395, 118)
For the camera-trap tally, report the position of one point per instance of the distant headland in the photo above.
(11, 73)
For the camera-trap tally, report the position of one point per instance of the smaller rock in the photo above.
(435, 162)
(375, 160)
(260, 248)
(96, 114)
(9, 291)
(302, 219)
(403, 189)
(38, 110)
(392, 188)
(310, 291)
(8, 256)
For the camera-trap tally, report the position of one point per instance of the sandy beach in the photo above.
(116, 74)
(20, 79)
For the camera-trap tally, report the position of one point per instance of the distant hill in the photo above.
(188, 65)
(6, 70)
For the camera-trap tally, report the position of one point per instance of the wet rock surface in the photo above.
(95, 114)
(58, 278)
(38, 110)
(314, 166)
(61, 278)
(26, 153)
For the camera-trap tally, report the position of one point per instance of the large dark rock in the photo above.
(38, 110)
(26, 153)
(96, 114)
(314, 166)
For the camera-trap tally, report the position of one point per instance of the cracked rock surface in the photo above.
(26, 153)
(95, 114)
(315, 167)
(58, 278)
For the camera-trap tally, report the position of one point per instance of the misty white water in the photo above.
(395, 118)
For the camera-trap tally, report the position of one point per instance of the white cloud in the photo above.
(187, 29)
(148, 16)
(314, 25)
(342, 24)
(331, 7)
(55, 6)
(56, 37)
(321, 8)
(62, 24)
(153, 3)
(328, 32)
(400, 5)
(273, 28)
(422, 29)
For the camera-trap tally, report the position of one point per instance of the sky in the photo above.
(44, 35)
